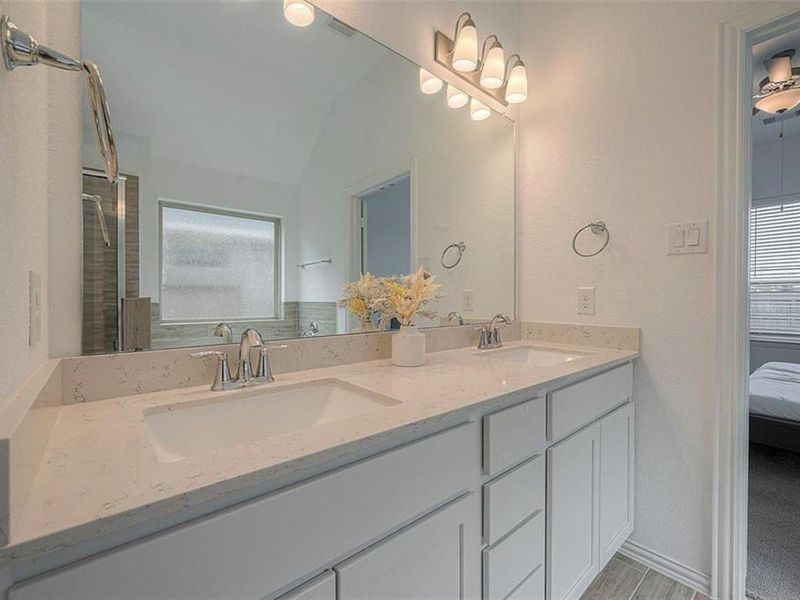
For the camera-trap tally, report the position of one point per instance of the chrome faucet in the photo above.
(244, 373)
(490, 334)
(250, 339)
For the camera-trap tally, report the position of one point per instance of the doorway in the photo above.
(385, 239)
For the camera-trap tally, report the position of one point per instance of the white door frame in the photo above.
(734, 161)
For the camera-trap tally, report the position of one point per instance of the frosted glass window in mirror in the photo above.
(218, 265)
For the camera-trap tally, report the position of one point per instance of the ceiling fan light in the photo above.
(779, 69)
(779, 102)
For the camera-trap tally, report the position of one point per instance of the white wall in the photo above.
(620, 126)
(39, 186)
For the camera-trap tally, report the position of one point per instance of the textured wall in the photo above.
(39, 186)
(620, 126)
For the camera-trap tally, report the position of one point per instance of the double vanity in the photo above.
(504, 473)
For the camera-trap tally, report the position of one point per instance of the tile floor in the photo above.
(626, 579)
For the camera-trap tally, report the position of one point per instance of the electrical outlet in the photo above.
(586, 300)
(34, 308)
(468, 302)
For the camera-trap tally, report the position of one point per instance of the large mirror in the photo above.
(264, 166)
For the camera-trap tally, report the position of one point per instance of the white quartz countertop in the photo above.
(101, 475)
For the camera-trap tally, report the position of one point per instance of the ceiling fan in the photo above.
(780, 90)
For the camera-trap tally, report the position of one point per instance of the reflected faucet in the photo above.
(223, 330)
(250, 339)
(454, 316)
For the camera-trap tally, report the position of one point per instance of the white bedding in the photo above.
(775, 390)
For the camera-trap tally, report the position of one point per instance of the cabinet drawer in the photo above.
(572, 407)
(508, 563)
(512, 498)
(532, 588)
(512, 435)
(267, 544)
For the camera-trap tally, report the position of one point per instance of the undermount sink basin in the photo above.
(533, 357)
(193, 428)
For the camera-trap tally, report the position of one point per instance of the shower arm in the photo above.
(21, 49)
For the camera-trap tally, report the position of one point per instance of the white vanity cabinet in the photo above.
(522, 503)
(589, 481)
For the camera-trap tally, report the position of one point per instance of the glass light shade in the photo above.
(779, 69)
(428, 82)
(494, 68)
(455, 97)
(298, 12)
(780, 101)
(465, 51)
(478, 111)
(517, 88)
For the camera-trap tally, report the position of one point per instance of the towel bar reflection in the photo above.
(22, 50)
(316, 262)
(98, 207)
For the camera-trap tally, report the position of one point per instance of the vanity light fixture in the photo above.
(465, 47)
(493, 71)
(455, 97)
(428, 82)
(298, 12)
(517, 82)
(502, 83)
(478, 111)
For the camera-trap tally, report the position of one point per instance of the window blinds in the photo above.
(775, 267)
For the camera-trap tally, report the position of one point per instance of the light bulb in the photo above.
(494, 68)
(428, 82)
(455, 97)
(478, 111)
(465, 51)
(298, 12)
(517, 88)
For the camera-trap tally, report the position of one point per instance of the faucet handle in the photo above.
(264, 371)
(222, 374)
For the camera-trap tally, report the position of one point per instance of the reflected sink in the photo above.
(193, 428)
(533, 357)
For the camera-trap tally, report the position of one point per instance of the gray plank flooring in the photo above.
(625, 579)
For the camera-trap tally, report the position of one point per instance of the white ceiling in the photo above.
(229, 84)
(765, 133)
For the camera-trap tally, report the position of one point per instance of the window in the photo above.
(775, 268)
(218, 265)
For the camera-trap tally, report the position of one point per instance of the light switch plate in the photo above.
(586, 300)
(34, 308)
(687, 238)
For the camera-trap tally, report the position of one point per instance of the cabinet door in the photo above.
(616, 480)
(322, 587)
(437, 557)
(572, 513)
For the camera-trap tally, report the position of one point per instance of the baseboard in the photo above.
(666, 566)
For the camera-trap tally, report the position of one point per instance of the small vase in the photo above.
(408, 347)
(365, 327)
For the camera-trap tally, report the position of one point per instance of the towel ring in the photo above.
(459, 248)
(597, 228)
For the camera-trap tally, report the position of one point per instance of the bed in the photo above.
(775, 405)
